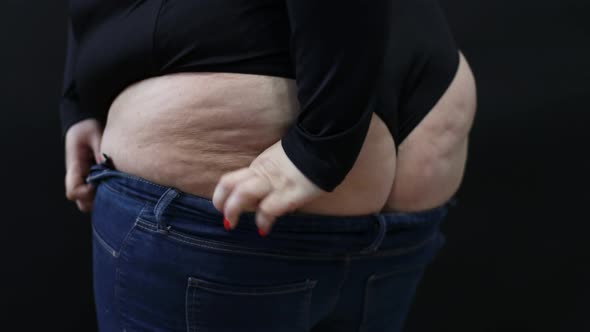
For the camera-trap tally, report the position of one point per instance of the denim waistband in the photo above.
(170, 197)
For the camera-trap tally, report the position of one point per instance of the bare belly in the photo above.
(186, 130)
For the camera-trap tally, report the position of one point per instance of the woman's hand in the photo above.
(82, 144)
(271, 186)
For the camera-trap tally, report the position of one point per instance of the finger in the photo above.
(226, 184)
(84, 206)
(246, 195)
(274, 205)
(84, 194)
(86, 200)
(264, 222)
(74, 181)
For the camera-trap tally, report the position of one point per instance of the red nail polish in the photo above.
(226, 224)
(261, 233)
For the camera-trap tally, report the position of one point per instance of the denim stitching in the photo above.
(194, 284)
(188, 306)
(120, 314)
(307, 285)
(113, 189)
(363, 323)
(219, 248)
(242, 250)
(396, 251)
(132, 230)
(104, 244)
(116, 291)
(343, 281)
(227, 246)
(193, 314)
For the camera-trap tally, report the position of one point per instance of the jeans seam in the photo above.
(222, 247)
(194, 293)
(116, 291)
(104, 244)
(288, 289)
(120, 314)
(341, 284)
(397, 251)
(124, 194)
(363, 323)
(111, 188)
(193, 286)
(187, 307)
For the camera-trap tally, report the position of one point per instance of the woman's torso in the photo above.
(208, 98)
(186, 130)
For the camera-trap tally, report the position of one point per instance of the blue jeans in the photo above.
(162, 261)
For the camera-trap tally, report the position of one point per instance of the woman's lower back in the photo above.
(186, 130)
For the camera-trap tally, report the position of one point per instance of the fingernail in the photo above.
(226, 224)
(261, 233)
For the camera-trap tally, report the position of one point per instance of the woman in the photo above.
(335, 130)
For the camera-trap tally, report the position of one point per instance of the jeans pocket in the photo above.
(388, 297)
(113, 217)
(223, 307)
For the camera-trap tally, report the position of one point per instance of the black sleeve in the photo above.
(338, 48)
(69, 108)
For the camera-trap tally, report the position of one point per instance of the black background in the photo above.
(517, 252)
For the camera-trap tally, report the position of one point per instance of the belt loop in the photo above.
(382, 229)
(167, 197)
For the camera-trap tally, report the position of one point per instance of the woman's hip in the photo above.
(194, 221)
